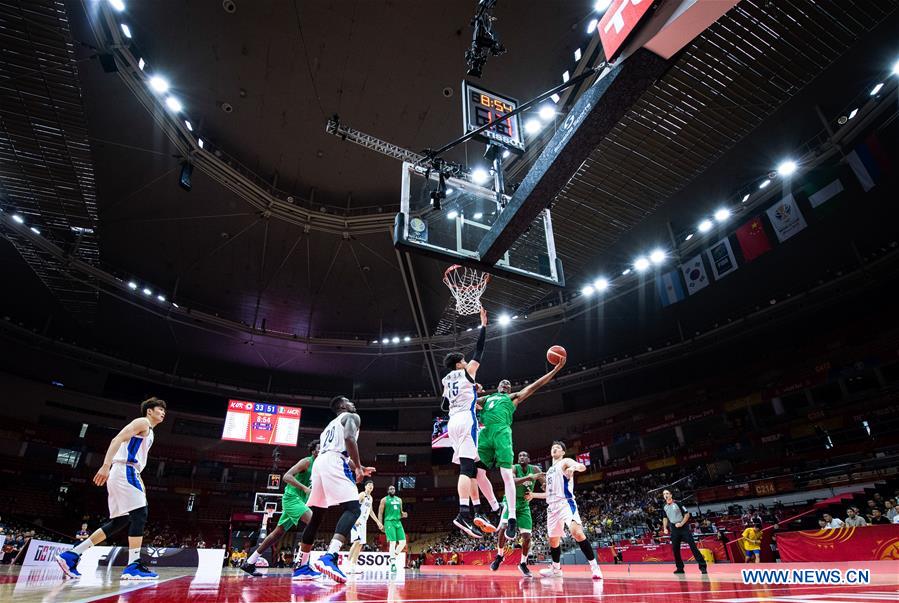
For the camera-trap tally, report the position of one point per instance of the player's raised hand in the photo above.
(483, 316)
(102, 475)
(560, 364)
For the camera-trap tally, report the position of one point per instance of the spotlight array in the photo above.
(392, 340)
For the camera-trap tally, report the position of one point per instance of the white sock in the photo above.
(509, 484)
(83, 546)
(592, 562)
(304, 557)
(252, 558)
(335, 545)
(557, 565)
(463, 502)
(133, 555)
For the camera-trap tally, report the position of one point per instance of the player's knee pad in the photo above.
(467, 467)
(137, 519)
(482, 468)
(312, 527)
(113, 526)
(351, 512)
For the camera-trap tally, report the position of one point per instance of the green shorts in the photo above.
(522, 516)
(394, 531)
(495, 446)
(292, 509)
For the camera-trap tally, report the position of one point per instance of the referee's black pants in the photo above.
(683, 534)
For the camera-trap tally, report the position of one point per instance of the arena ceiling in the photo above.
(260, 84)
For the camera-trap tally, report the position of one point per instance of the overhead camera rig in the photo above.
(484, 41)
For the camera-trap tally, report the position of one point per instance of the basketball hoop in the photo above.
(467, 285)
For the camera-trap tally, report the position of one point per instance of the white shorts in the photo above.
(332, 481)
(126, 490)
(358, 534)
(462, 430)
(560, 515)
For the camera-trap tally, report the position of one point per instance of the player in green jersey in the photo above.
(297, 482)
(390, 514)
(525, 477)
(495, 439)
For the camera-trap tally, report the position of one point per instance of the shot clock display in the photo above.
(480, 106)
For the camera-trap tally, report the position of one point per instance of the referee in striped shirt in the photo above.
(679, 518)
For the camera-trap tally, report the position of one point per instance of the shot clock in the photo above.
(480, 106)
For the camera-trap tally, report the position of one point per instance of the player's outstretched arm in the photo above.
(290, 476)
(130, 430)
(527, 392)
(532, 495)
(570, 467)
(475, 362)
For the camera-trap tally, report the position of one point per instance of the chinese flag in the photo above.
(752, 238)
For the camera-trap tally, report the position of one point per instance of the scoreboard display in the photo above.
(480, 106)
(261, 423)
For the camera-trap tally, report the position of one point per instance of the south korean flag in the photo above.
(695, 275)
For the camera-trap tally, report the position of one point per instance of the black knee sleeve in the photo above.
(312, 527)
(480, 465)
(556, 553)
(467, 467)
(587, 550)
(137, 520)
(113, 526)
(351, 512)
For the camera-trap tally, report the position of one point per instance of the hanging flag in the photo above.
(786, 218)
(722, 258)
(869, 162)
(823, 186)
(752, 238)
(584, 458)
(694, 274)
(670, 288)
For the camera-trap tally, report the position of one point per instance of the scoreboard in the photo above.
(480, 106)
(261, 423)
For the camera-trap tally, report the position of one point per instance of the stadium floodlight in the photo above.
(876, 89)
(688, 237)
(565, 76)
(35, 230)
(407, 339)
(577, 54)
(705, 226)
(385, 340)
(532, 126)
(374, 341)
(452, 215)
(602, 6)
(174, 104)
(641, 264)
(591, 26)
(546, 113)
(395, 339)
(657, 256)
(148, 291)
(126, 30)
(556, 98)
(764, 183)
(161, 298)
(504, 319)
(895, 70)
(17, 218)
(601, 284)
(787, 167)
(141, 63)
(722, 214)
(200, 142)
(188, 125)
(478, 216)
(625, 272)
(853, 113)
(117, 4)
(479, 175)
(159, 84)
(132, 285)
(745, 198)
(587, 290)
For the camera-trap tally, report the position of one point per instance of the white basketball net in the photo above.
(467, 285)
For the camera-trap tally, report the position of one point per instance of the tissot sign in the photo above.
(619, 21)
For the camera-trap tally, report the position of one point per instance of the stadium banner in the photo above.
(869, 162)
(744, 402)
(654, 553)
(43, 552)
(670, 288)
(473, 558)
(153, 556)
(752, 239)
(694, 274)
(660, 463)
(824, 186)
(722, 258)
(786, 219)
(367, 560)
(869, 543)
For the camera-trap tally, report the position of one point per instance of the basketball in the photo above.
(555, 354)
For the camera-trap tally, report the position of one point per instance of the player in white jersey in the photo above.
(562, 510)
(334, 476)
(125, 459)
(460, 394)
(359, 533)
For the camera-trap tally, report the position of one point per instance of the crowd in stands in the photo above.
(878, 511)
(16, 537)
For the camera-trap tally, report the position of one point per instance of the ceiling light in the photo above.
(468, 329)
(407, 339)
(764, 183)
(190, 128)
(479, 175)
(147, 291)
(601, 284)
(566, 76)
(478, 216)
(174, 104)
(626, 272)
(876, 89)
(160, 297)
(745, 198)
(117, 4)
(140, 64)
(504, 319)
(853, 113)
(35, 230)
(601, 5)
(126, 30)
(657, 256)
(18, 218)
(532, 126)
(375, 341)
(547, 113)
(132, 285)
(159, 84)
(452, 215)
(587, 290)
(896, 68)
(787, 167)
(705, 226)
(591, 26)
(200, 142)
(450, 191)
(176, 305)
(722, 214)
(689, 236)
(515, 317)
(556, 98)
(395, 339)
(577, 54)
(506, 154)
(641, 264)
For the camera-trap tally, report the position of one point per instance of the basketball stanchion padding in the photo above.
(467, 285)
(555, 354)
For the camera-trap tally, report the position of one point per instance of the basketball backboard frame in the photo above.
(262, 500)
